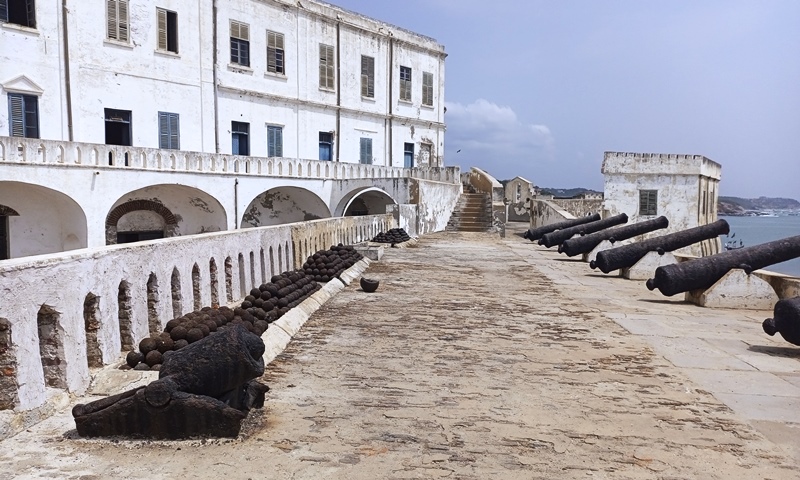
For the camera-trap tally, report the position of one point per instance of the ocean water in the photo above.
(756, 230)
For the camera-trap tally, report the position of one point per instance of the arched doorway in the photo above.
(364, 201)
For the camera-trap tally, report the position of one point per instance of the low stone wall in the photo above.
(545, 212)
(580, 207)
(435, 201)
(63, 311)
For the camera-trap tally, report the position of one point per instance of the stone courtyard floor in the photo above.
(482, 357)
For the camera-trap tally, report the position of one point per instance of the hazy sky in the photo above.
(542, 88)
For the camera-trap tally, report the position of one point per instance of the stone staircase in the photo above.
(473, 212)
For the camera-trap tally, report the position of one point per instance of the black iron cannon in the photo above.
(587, 243)
(534, 234)
(786, 320)
(206, 388)
(701, 273)
(626, 256)
(559, 236)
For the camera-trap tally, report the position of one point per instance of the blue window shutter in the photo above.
(163, 130)
(31, 106)
(174, 132)
(3, 10)
(278, 142)
(362, 154)
(30, 10)
(16, 115)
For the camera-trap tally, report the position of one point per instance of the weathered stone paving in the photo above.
(477, 358)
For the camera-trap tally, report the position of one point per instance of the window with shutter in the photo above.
(23, 115)
(326, 67)
(408, 155)
(365, 151)
(117, 20)
(240, 43)
(18, 12)
(325, 146)
(405, 83)
(167, 30)
(275, 52)
(240, 141)
(169, 130)
(367, 76)
(427, 88)
(274, 141)
(648, 202)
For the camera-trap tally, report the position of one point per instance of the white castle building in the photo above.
(132, 120)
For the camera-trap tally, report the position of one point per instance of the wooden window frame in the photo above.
(648, 202)
(327, 65)
(427, 89)
(167, 27)
(118, 21)
(23, 111)
(365, 151)
(274, 141)
(240, 42)
(10, 14)
(405, 83)
(367, 76)
(169, 131)
(276, 53)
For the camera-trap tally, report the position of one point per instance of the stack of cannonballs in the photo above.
(264, 305)
(325, 265)
(395, 235)
(188, 329)
(270, 301)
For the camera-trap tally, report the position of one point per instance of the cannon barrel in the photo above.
(786, 320)
(534, 234)
(587, 243)
(627, 255)
(701, 273)
(559, 236)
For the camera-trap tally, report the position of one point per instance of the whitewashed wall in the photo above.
(681, 182)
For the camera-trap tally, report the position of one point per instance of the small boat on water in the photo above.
(732, 244)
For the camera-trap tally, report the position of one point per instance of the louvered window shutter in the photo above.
(278, 142)
(3, 10)
(174, 131)
(163, 130)
(162, 28)
(30, 9)
(16, 113)
(123, 20)
(111, 19)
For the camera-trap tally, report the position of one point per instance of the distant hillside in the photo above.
(566, 192)
(738, 206)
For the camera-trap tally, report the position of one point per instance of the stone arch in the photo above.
(212, 273)
(40, 220)
(364, 201)
(125, 316)
(177, 298)
(51, 347)
(91, 324)
(281, 205)
(8, 367)
(196, 298)
(164, 210)
(229, 279)
(113, 217)
(153, 322)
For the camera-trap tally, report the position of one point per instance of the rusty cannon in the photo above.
(786, 320)
(559, 236)
(534, 234)
(626, 256)
(587, 243)
(204, 389)
(702, 273)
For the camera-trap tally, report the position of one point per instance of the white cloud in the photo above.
(492, 137)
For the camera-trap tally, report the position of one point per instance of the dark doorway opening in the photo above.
(4, 254)
(130, 237)
(118, 130)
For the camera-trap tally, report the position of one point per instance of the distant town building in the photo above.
(518, 192)
(683, 188)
